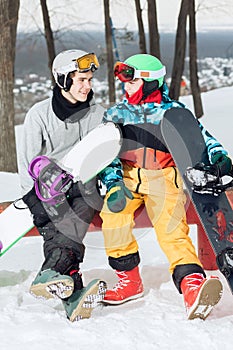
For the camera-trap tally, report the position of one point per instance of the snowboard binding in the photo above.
(225, 262)
(51, 181)
(206, 179)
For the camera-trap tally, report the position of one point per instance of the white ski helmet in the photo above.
(70, 61)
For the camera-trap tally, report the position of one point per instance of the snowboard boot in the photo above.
(128, 287)
(51, 284)
(200, 294)
(84, 299)
(54, 279)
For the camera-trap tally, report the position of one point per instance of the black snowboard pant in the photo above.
(64, 226)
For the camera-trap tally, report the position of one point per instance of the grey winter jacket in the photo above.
(44, 133)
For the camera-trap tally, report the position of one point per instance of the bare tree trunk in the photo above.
(110, 62)
(141, 32)
(180, 47)
(48, 36)
(194, 83)
(8, 27)
(153, 29)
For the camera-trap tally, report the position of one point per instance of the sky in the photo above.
(155, 322)
(89, 15)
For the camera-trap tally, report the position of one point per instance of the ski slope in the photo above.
(157, 321)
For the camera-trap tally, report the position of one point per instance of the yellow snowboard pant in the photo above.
(164, 201)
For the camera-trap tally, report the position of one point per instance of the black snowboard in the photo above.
(184, 140)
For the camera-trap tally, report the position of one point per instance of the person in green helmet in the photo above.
(150, 177)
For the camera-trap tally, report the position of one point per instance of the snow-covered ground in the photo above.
(157, 321)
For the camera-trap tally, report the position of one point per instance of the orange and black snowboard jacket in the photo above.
(143, 145)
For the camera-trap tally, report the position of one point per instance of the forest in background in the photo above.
(31, 51)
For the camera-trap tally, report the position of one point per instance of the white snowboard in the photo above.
(86, 159)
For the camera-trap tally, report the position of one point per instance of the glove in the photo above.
(202, 175)
(40, 216)
(116, 196)
(223, 163)
(74, 191)
(89, 192)
(79, 189)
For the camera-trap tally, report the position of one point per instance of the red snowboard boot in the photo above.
(200, 294)
(127, 288)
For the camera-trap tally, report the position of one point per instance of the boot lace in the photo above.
(123, 280)
(193, 279)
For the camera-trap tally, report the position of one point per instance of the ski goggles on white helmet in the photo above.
(81, 64)
(126, 73)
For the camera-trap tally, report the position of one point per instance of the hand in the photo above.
(116, 196)
(89, 192)
(223, 163)
(74, 191)
(79, 189)
(202, 175)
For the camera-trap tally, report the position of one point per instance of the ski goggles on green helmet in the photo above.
(126, 73)
(81, 64)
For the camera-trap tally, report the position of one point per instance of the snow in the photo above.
(156, 321)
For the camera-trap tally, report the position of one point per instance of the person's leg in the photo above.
(64, 251)
(62, 256)
(167, 213)
(84, 298)
(122, 250)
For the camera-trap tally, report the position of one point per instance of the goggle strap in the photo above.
(67, 69)
(150, 73)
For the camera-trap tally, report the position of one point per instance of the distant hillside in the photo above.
(31, 52)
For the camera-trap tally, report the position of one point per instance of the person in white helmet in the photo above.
(51, 128)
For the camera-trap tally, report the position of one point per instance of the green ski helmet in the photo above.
(146, 62)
